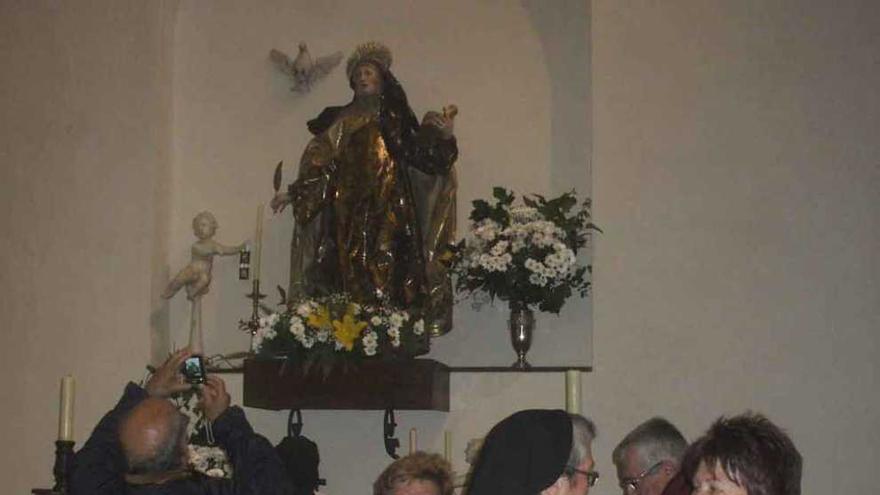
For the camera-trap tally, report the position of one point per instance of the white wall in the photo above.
(736, 172)
(84, 123)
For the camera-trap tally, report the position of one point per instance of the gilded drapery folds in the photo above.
(374, 208)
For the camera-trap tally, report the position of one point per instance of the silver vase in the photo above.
(521, 324)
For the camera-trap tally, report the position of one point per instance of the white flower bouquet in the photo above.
(335, 326)
(525, 254)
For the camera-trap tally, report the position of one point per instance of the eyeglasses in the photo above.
(592, 476)
(629, 485)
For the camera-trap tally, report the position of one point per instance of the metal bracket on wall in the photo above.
(294, 428)
(388, 426)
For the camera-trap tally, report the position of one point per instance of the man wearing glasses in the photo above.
(536, 451)
(648, 460)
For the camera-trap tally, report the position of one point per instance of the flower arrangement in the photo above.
(525, 254)
(335, 326)
(210, 460)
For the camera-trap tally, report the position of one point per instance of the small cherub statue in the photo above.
(196, 276)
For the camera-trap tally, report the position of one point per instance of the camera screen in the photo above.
(194, 369)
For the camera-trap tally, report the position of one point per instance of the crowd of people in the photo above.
(549, 452)
(140, 447)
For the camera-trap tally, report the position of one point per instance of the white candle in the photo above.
(258, 243)
(573, 391)
(447, 446)
(65, 414)
(413, 441)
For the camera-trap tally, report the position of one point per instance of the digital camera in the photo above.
(193, 369)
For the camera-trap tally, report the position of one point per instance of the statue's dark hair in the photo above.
(397, 120)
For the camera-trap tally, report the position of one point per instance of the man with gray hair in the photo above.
(648, 459)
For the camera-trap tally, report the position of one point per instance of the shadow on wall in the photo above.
(565, 37)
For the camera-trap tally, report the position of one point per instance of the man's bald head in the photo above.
(152, 437)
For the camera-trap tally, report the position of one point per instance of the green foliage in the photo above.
(481, 210)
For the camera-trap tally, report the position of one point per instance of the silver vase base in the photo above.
(521, 364)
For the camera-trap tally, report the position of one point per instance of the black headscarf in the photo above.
(523, 454)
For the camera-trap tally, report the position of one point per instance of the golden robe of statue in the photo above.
(374, 203)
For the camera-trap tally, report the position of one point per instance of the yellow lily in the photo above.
(348, 330)
(320, 319)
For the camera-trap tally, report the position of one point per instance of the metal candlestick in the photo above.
(253, 324)
(61, 470)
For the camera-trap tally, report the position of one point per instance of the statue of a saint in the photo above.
(374, 202)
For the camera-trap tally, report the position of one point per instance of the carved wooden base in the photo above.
(414, 384)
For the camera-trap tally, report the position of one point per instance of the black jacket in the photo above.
(99, 467)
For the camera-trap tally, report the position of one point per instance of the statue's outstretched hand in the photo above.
(279, 201)
(444, 122)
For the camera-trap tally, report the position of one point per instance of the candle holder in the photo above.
(253, 324)
(61, 470)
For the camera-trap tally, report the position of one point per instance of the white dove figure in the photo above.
(303, 70)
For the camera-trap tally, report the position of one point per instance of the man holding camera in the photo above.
(139, 447)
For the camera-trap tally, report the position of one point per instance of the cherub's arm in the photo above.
(223, 250)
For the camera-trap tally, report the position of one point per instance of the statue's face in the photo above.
(204, 228)
(366, 80)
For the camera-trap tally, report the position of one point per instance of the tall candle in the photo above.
(258, 243)
(447, 446)
(573, 391)
(413, 442)
(65, 414)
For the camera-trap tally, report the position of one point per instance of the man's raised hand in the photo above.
(167, 379)
(214, 397)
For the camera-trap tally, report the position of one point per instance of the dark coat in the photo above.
(99, 466)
